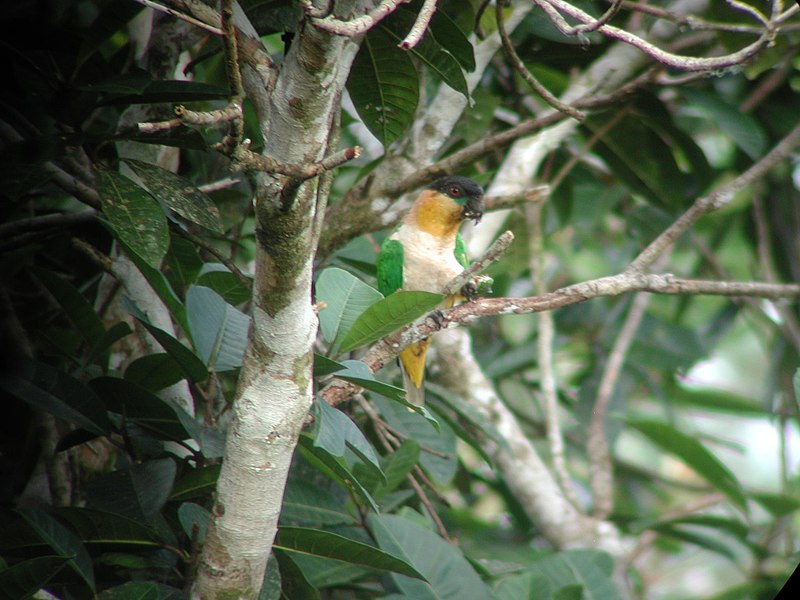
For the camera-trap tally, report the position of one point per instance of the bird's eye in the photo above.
(455, 191)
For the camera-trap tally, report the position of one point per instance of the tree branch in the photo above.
(420, 25)
(355, 26)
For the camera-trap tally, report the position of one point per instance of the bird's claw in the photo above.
(480, 285)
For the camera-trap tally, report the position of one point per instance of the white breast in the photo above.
(428, 261)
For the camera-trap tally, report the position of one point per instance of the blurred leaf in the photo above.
(387, 315)
(51, 391)
(694, 454)
(442, 465)
(126, 89)
(217, 277)
(141, 590)
(138, 492)
(714, 399)
(384, 86)
(179, 194)
(446, 574)
(317, 542)
(584, 568)
(346, 298)
(25, 578)
(63, 542)
(219, 330)
(779, 505)
(742, 128)
(134, 215)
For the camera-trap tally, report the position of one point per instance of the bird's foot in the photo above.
(478, 286)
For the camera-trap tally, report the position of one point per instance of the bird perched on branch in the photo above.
(425, 254)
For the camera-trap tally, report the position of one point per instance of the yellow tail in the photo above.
(412, 365)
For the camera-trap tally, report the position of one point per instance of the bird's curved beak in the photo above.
(473, 209)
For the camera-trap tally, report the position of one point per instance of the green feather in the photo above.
(390, 267)
(460, 251)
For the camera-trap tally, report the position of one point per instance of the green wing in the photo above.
(460, 251)
(390, 267)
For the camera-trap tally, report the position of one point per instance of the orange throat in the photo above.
(436, 214)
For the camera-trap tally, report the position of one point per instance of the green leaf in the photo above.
(138, 492)
(134, 215)
(779, 505)
(346, 297)
(219, 330)
(387, 315)
(428, 50)
(137, 404)
(179, 194)
(195, 483)
(442, 465)
(162, 288)
(333, 431)
(317, 542)
(334, 468)
(63, 542)
(743, 128)
(450, 36)
(384, 86)
(449, 575)
(396, 467)
(141, 590)
(49, 390)
(189, 363)
(325, 366)
(105, 528)
(694, 454)
(217, 277)
(358, 372)
(77, 308)
(154, 371)
(26, 578)
(308, 503)
(193, 515)
(576, 567)
(182, 263)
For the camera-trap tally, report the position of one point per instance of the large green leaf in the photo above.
(218, 329)
(384, 86)
(52, 391)
(97, 527)
(179, 194)
(585, 568)
(138, 492)
(217, 277)
(387, 315)
(449, 575)
(141, 406)
(63, 542)
(154, 372)
(396, 467)
(346, 297)
(26, 578)
(317, 542)
(134, 215)
(334, 431)
(306, 503)
(443, 64)
(195, 483)
(694, 454)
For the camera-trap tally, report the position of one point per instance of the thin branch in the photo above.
(601, 475)
(420, 25)
(243, 158)
(715, 200)
(544, 344)
(43, 222)
(179, 15)
(232, 69)
(494, 252)
(231, 266)
(355, 26)
(683, 63)
(604, 18)
(519, 67)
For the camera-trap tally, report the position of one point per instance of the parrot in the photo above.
(424, 254)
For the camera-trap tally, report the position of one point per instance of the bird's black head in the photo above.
(464, 192)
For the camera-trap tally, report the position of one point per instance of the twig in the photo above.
(420, 25)
(604, 18)
(38, 223)
(544, 344)
(715, 200)
(232, 69)
(180, 15)
(683, 63)
(519, 67)
(494, 252)
(355, 26)
(533, 194)
(244, 158)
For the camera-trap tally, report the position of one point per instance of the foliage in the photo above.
(131, 469)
